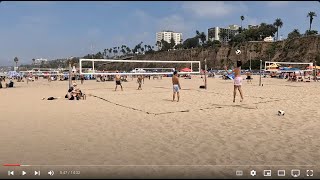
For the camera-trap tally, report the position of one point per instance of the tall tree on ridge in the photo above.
(16, 60)
(242, 18)
(278, 24)
(311, 14)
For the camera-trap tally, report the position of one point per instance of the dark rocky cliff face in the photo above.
(305, 49)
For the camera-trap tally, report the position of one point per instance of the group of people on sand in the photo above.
(140, 80)
(74, 93)
(7, 85)
(177, 87)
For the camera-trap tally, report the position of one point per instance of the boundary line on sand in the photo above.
(215, 106)
(135, 109)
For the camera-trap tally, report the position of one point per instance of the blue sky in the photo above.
(60, 29)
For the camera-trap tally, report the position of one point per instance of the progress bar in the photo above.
(175, 165)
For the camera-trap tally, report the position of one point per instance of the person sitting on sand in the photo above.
(294, 77)
(10, 84)
(139, 80)
(237, 81)
(79, 94)
(249, 77)
(118, 81)
(51, 98)
(71, 92)
(176, 86)
(73, 95)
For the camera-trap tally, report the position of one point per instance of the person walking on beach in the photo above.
(176, 86)
(82, 78)
(237, 81)
(118, 81)
(139, 80)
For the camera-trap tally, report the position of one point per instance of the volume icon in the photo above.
(51, 173)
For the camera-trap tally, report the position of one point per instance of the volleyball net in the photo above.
(129, 67)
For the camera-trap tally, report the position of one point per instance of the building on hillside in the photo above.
(167, 35)
(216, 32)
(268, 39)
(253, 26)
(39, 61)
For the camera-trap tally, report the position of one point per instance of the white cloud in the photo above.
(251, 20)
(277, 3)
(213, 9)
(94, 32)
(173, 23)
(34, 23)
(142, 17)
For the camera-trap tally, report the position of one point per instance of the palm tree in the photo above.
(278, 24)
(114, 51)
(311, 15)
(110, 51)
(203, 37)
(33, 61)
(242, 18)
(16, 60)
(123, 51)
(105, 53)
(128, 50)
(158, 44)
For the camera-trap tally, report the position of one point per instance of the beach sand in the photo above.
(205, 135)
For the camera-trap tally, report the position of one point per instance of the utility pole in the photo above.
(205, 73)
(70, 72)
(315, 71)
(260, 72)
(250, 59)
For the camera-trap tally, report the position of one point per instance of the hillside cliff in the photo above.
(305, 49)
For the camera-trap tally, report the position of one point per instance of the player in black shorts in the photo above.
(118, 82)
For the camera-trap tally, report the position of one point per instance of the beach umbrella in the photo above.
(313, 67)
(185, 70)
(273, 66)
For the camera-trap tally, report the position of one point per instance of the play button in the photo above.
(24, 173)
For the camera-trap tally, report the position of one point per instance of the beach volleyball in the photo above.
(238, 52)
(280, 113)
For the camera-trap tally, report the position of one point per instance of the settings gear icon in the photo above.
(253, 173)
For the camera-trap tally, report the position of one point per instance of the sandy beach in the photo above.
(128, 130)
